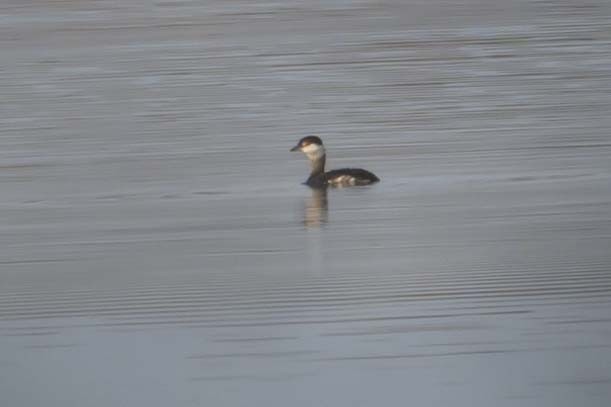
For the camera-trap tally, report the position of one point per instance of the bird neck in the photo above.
(317, 163)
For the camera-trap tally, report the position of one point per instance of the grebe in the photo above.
(312, 147)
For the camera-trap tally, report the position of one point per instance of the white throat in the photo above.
(314, 151)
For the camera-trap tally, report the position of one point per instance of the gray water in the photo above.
(158, 249)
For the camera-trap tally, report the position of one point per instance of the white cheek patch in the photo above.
(313, 150)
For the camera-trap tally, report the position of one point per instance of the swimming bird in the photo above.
(313, 148)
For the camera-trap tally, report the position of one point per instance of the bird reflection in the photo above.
(315, 212)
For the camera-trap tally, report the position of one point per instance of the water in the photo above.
(156, 247)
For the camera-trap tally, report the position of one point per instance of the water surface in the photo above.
(157, 247)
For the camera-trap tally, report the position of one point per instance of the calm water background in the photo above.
(157, 248)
